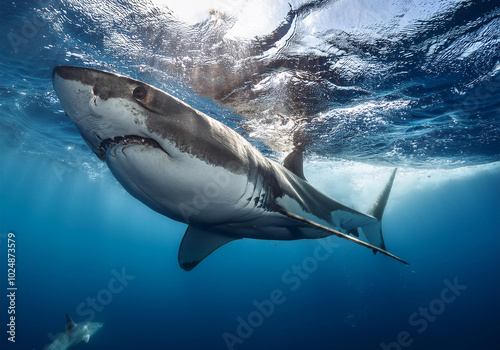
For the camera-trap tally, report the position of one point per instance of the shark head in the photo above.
(89, 329)
(149, 139)
(75, 333)
(112, 110)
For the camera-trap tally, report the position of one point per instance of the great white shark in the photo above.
(194, 169)
(74, 334)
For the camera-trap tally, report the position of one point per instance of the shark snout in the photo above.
(102, 106)
(93, 327)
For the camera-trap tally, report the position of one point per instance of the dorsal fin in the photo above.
(70, 325)
(295, 163)
(199, 243)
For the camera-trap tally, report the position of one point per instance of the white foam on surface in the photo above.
(358, 184)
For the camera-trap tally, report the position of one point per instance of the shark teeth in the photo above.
(126, 140)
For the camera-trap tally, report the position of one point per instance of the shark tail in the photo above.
(373, 232)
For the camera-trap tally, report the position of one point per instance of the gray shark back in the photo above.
(74, 334)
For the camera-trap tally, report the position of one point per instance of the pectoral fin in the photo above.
(199, 243)
(86, 338)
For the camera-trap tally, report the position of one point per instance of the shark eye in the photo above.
(140, 92)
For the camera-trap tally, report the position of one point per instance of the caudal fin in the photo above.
(373, 232)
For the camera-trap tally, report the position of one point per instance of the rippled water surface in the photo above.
(414, 83)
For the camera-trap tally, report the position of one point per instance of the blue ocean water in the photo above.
(363, 86)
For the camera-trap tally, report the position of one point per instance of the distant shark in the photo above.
(193, 169)
(75, 333)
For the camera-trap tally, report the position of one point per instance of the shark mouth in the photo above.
(128, 140)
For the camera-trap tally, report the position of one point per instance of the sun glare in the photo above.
(196, 11)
